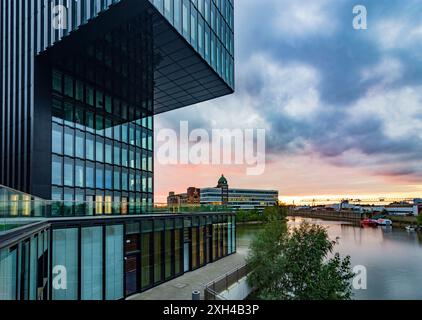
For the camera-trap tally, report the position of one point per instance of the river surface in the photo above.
(392, 257)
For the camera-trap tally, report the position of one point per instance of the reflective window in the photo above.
(65, 253)
(116, 154)
(56, 171)
(114, 262)
(68, 172)
(90, 175)
(57, 144)
(99, 177)
(90, 147)
(68, 86)
(186, 18)
(92, 263)
(68, 142)
(108, 179)
(116, 179)
(80, 144)
(79, 174)
(99, 150)
(108, 153)
(57, 81)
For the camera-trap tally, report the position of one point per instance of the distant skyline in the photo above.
(342, 108)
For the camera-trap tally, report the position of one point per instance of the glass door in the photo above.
(131, 269)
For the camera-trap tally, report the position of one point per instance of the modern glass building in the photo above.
(238, 199)
(81, 81)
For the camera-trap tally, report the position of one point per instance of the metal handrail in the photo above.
(224, 282)
(50, 208)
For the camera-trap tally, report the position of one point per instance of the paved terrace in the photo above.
(181, 288)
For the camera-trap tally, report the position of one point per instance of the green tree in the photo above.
(298, 265)
(275, 213)
(419, 220)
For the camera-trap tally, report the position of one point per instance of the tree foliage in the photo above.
(298, 265)
(278, 212)
(419, 220)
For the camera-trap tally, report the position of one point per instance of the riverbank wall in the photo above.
(326, 214)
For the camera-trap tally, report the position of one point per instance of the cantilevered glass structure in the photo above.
(81, 81)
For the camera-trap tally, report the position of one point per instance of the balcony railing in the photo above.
(18, 209)
(48, 209)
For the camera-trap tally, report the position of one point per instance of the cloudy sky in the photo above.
(342, 108)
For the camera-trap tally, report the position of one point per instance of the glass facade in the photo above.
(208, 26)
(81, 112)
(95, 153)
(24, 269)
(104, 261)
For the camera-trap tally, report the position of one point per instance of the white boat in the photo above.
(384, 222)
(411, 228)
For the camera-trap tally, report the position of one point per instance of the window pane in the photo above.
(79, 174)
(90, 175)
(168, 252)
(68, 172)
(90, 147)
(65, 253)
(57, 81)
(116, 179)
(146, 261)
(99, 177)
(99, 153)
(92, 263)
(56, 171)
(157, 257)
(108, 179)
(108, 153)
(68, 86)
(57, 145)
(80, 144)
(68, 142)
(116, 155)
(114, 262)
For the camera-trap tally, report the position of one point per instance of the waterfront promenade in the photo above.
(181, 288)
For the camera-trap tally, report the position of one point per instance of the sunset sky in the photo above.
(342, 108)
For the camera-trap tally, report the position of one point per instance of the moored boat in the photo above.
(384, 222)
(411, 228)
(369, 223)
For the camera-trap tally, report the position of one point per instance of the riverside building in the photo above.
(80, 84)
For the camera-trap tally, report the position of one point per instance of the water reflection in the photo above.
(393, 257)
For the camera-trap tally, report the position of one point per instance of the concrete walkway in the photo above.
(181, 288)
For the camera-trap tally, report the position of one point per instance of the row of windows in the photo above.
(78, 202)
(85, 174)
(102, 261)
(71, 202)
(206, 30)
(87, 96)
(132, 133)
(25, 282)
(135, 258)
(76, 143)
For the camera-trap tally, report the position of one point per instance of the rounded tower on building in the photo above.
(224, 186)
